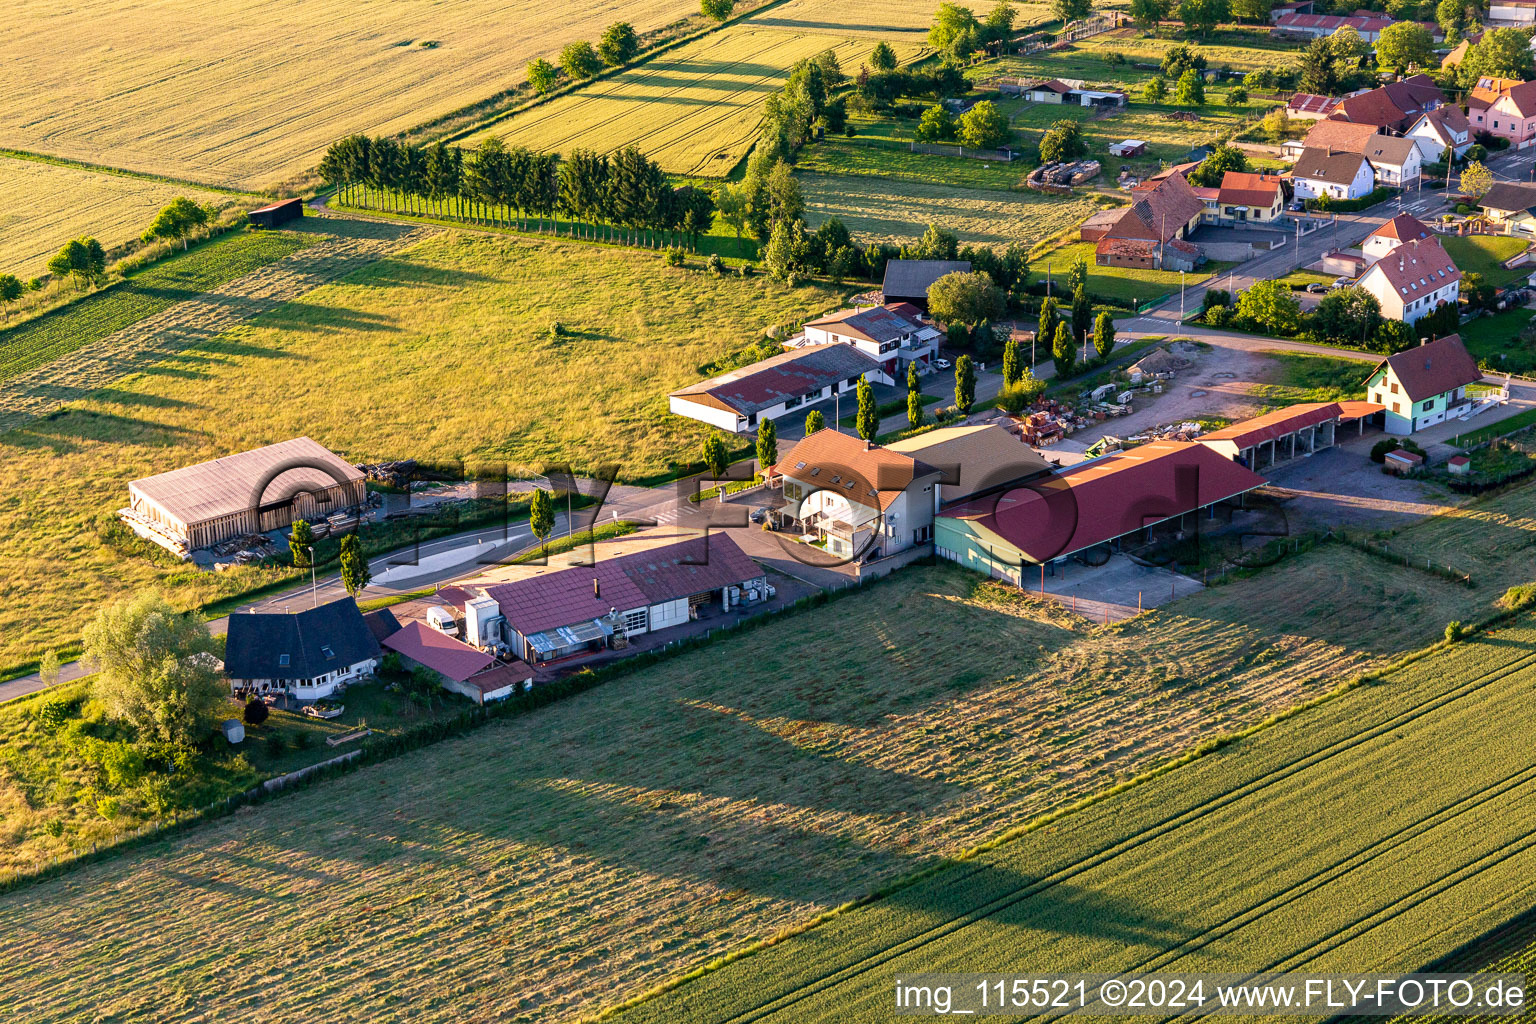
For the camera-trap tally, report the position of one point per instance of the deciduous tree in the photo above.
(1013, 362)
(984, 126)
(814, 421)
(1147, 13)
(717, 10)
(619, 44)
(1190, 91)
(176, 221)
(1270, 306)
(936, 124)
(1476, 179)
(355, 574)
(542, 75)
(301, 543)
(1104, 335)
(883, 57)
(1404, 45)
(11, 290)
(541, 513)
(955, 30)
(579, 60)
(965, 298)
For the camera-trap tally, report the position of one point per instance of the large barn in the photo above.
(237, 495)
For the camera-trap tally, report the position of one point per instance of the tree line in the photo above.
(618, 45)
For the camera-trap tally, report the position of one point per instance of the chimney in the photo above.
(868, 445)
(597, 591)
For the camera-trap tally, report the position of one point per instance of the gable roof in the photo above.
(1405, 227)
(1335, 168)
(766, 383)
(1392, 105)
(1488, 89)
(382, 624)
(227, 485)
(909, 279)
(980, 457)
(1104, 498)
(1446, 122)
(869, 474)
(1340, 136)
(1416, 268)
(1159, 213)
(1274, 425)
(1433, 368)
(877, 324)
(1522, 98)
(1390, 150)
(268, 645)
(1311, 103)
(1247, 189)
(443, 654)
(1509, 197)
(567, 597)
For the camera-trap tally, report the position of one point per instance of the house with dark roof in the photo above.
(1441, 129)
(895, 336)
(1333, 173)
(1395, 161)
(1413, 280)
(1512, 205)
(569, 612)
(1154, 230)
(1425, 385)
(307, 655)
(780, 385)
(909, 280)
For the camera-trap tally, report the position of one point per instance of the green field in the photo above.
(896, 211)
(1370, 834)
(882, 147)
(1126, 283)
(443, 352)
(181, 277)
(1485, 254)
(1241, 49)
(1300, 377)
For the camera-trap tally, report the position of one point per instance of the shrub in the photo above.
(1381, 449)
(304, 740)
(1219, 316)
(1463, 209)
(746, 270)
(1477, 153)
(715, 265)
(107, 807)
(1454, 630)
(275, 744)
(52, 713)
(1216, 297)
(675, 256)
(1521, 595)
(556, 329)
(255, 712)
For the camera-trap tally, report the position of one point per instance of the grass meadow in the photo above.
(686, 810)
(1485, 254)
(894, 21)
(443, 352)
(1129, 283)
(696, 109)
(43, 205)
(235, 94)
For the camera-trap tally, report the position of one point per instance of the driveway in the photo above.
(1341, 486)
(1116, 590)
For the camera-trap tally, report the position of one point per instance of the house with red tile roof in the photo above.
(1394, 106)
(1153, 230)
(1504, 107)
(463, 669)
(1369, 24)
(1289, 433)
(1336, 136)
(1423, 386)
(1413, 280)
(1250, 198)
(781, 385)
(1405, 227)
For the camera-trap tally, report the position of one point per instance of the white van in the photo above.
(441, 619)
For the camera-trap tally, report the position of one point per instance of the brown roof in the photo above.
(1248, 189)
(1276, 424)
(1160, 212)
(1509, 196)
(1336, 168)
(1311, 103)
(1340, 136)
(1433, 368)
(499, 677)
(767, 382)
(862, 472)
(1393, 105)
(973, 458)
(1488, 90)
(1405, 227)
(1446, 121)
(1389, 150)
(220, 487)
(1417, 267)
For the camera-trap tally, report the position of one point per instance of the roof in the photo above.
(865, 473)
(276, 645)
(1390, 150)
(1311, 103)
(1247, 189)
(234, 483)
(1096, 501)
(1340, 136)
(1143, 248)
(1446, 122)
(1509, 197)
(764, 384)
(1431, 369)
(877, 324)
(1355, 409)
(653, 576)
(911, 278)
(1055, 85)
(1274, 425)
(1160, 212)
(280, 204)
(973, 458)
(1405, 227)
(1523, 98)
(1488, 89)
(1335, 168)
(443, 654)
(1392, 105)
(382, 623)
(500, 677)
(1417, 267)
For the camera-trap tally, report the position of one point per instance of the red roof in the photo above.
(1310, 103)
(1417, 267)
(1247, 189)
(452, 658)
(499, 677)
(1161, 212)
(1354, 409)
(1405, 227)
(1433, 368)
(1096, 501)
(1274, 425)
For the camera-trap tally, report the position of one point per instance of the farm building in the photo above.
(1152, 231)
(1288, 433)
(238, 495)
(308, 655)
(277, 214)
(973, 459)
(464, 669)
(1306, 106)
(895, 335)
(1098, 225)
(583, 609)
(1425, 385)
(777, 386)
(909, 280)
(1095, 504)
(1127, 149)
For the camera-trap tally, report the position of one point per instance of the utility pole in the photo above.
(314, 588)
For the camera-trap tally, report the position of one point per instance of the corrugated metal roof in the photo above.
(1276, 424)
(224, 486)
(791, 374)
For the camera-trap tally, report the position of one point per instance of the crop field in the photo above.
(696, 110)
(410, 345)
(680, 816)
(186, 275)
(44, 205)
(1315, 845)
(248, 95)
(1131, 284)
(896, 21)
(1239, 49)
(877, 210)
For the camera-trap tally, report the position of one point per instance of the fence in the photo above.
(998, 155)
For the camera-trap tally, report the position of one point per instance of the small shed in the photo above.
(277, 214)
(1460, 465)
(1128, 148)
(234, 730)
(1402, 461)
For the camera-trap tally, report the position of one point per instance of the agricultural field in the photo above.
(901, 20)
(1240, 49)
(1311, 846)
(1128, 284)
(696, 109)
(43, 205)
(393, 363)
(896, 211)
(234, 94)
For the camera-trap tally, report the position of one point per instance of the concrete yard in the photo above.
(1117, 588)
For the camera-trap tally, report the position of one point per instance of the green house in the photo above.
(1423, 386)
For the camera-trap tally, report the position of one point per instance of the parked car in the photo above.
(758, 514)
(1342, 282)
(1317, 287)
(1297, 206)
(942, 364)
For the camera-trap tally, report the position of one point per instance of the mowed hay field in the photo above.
(249, 94)
(442, 352)
(884, 210)
(696, 109)
(44, 205)
(549, 865)
(896, 20)
(1371, 834)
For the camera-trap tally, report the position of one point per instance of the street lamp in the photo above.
(1181, 304)
(314, 588)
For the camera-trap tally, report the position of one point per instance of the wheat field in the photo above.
(897, 19)
(44, 205)
(696, 110)
(247, 94)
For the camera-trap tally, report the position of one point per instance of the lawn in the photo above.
(896, 211)
(1300, 377)
(1494, 341)
(44, 205)
(1168, 140)
(231, 93)
(1124, 283)
(696, 109)
(1485, 254)
(444, 352)
(882, 147)
(1495, 429)
(673, 815)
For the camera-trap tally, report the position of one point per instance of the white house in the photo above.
(1413, 280)
(1395, 161)
(893, 335)
(1405, 227)
(1438, 129)
(1337, 175)
(309, 655)
(1423, 386)
(777, 386)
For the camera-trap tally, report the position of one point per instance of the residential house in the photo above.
(973, 460)
(1153, 231)
(1505, 108)
(1395, 161)
(1306, 106)
(1413, 280)
(1425, 385)
(1405, 227)
(778, 386)
(1441, 129)
(1100, 503)
(1394, 106)
(1513, 205)
(1338, 136)
(587, 608)
(1250, 198)
(1512, 13)
(1339, 175)
(1073, 93)
(307, 655)
(909, 280)
(465, 670)
(860, 499)
(894, 335)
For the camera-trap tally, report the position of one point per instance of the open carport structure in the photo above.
(1289, 433)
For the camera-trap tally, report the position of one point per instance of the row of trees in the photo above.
(957, 33)
(981, 127)
(1345, 316)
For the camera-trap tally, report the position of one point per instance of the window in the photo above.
(1394, 388)
(791, 403)
(1429, 403)
(1397, 407)
(282, 661)
(328, 652)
